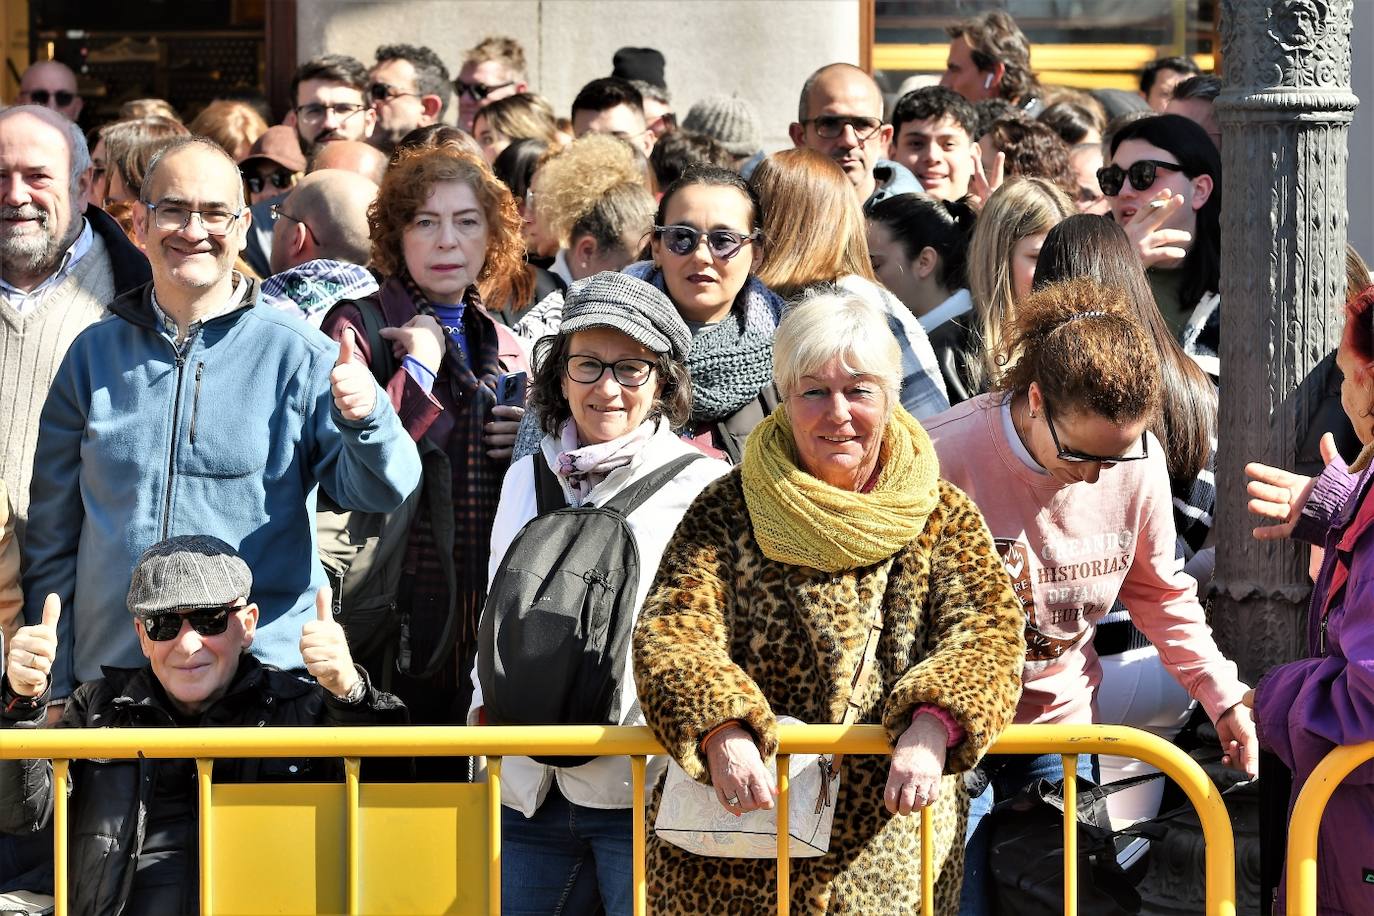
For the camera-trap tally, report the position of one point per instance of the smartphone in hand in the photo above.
(510, 389)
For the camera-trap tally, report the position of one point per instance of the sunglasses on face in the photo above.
(279, 180)
(828, 127)
(1141, 173)
(723, 243)
(62, 97)
(381, 92)
(206, 621)
(1072, 456)
(476, 91)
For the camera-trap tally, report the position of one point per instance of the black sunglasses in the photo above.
(381, 92)
(1076, 457)
(1141, 173)
(62, 96)
(476, 91)
(723, 243)
(279, 180)
(207, 621)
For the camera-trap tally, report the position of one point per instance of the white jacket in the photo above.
(603, 783)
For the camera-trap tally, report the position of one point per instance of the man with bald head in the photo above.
(51, 84)
(841, 116)
(61, 263)
(320, 245)
(351, 156)
(196, 408)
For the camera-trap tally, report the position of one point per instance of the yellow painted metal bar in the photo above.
(352, 767)
(1305, 823)
(927, 863)
(494, 834)
(641, 888)
(1070, 763)
(204, 771)
(60, 771)
(784, 836)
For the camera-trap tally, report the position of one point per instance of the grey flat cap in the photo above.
(635, 308)
(192, 570)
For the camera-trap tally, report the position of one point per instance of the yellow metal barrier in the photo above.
(384, 810)
(1305, 824)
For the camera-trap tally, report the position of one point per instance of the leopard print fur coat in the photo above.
(729, 634)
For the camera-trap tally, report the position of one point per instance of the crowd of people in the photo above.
(402, 410)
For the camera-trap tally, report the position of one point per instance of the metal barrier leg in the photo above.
(494, 833)
(60, 770)
(204, 768)
(352, 765)
(641, 891)
(1070, 763)
(784, 836)
(927, 864)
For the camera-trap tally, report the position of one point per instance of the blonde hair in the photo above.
(236, 126)
(501, 48)
(828, 324)
(1020, 208)
(521, 117)
(570, 183)
(813, 225)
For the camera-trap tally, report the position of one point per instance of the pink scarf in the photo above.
(585, 466)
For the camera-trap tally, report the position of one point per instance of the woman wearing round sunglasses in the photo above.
(1075, 491)
(1163, 181)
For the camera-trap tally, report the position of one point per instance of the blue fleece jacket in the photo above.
(230, 438)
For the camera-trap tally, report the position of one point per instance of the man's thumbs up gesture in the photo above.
(355, 393)
(325, 649)
(33, 651)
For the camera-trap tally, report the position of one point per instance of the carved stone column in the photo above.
(1284, 113)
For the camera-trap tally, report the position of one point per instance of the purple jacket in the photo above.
(1306, 708)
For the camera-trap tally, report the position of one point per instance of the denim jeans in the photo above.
(567, 859)
(1009, 774)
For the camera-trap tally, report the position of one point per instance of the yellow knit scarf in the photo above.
(803, 521)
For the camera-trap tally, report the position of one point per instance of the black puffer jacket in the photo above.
(110, 798)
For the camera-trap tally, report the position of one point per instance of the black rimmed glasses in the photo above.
(1073, 456)
(315, 113)
(206, 621)
(828, 127)
(1141, 173)
(588, 370)
(723, 243)
(171, 217)
(477, 91)
(279, 213)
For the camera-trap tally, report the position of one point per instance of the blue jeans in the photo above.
(567, 859)
(1009, 774)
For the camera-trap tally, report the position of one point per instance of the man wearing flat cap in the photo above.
(133, 822)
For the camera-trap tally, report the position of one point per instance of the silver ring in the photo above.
(33, 660)
(732, 800)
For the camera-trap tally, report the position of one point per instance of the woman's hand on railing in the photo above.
(33, 651)
(1239, 747)
(741, 781)
(918, 761)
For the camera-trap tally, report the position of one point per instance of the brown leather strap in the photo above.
(861, 674)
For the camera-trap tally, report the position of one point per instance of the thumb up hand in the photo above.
(355, 393)
(33, 651)
(325, 648)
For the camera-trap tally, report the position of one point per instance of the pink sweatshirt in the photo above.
(1070, 550)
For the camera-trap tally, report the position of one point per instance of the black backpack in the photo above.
(555, 630)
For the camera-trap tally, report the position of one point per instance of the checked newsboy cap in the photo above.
(635, 308)
(188, 571)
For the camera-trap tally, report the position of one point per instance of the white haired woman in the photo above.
(848, 527)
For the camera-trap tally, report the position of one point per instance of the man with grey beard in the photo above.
(61, 264)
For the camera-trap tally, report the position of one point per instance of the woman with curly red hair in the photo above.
(442, 225)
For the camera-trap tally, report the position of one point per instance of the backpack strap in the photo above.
(634, 496)
(548, 492)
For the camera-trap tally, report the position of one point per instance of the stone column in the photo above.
(1285, 114)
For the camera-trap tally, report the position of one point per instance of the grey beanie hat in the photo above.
(630, 306)
(730, 120)
(188, 571)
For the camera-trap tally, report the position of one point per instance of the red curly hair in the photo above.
(410, 180)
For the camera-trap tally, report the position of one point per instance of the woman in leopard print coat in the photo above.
(848, 524)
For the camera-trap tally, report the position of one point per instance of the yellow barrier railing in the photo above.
(1305, 823)
(204, 745)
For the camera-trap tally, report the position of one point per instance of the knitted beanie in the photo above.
(730, 120)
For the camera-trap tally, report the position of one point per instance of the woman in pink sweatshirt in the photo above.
(1079, 388)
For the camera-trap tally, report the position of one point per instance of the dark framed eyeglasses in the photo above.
(206, 621)
(1141, 173)
(588, 370)
(315, 113)
(722, 243)
(279, 213)
(176, 217)
(281, 180)
(384, 92)
(477, 91)
(828, 127)
(1074, 456)
(61, 97)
